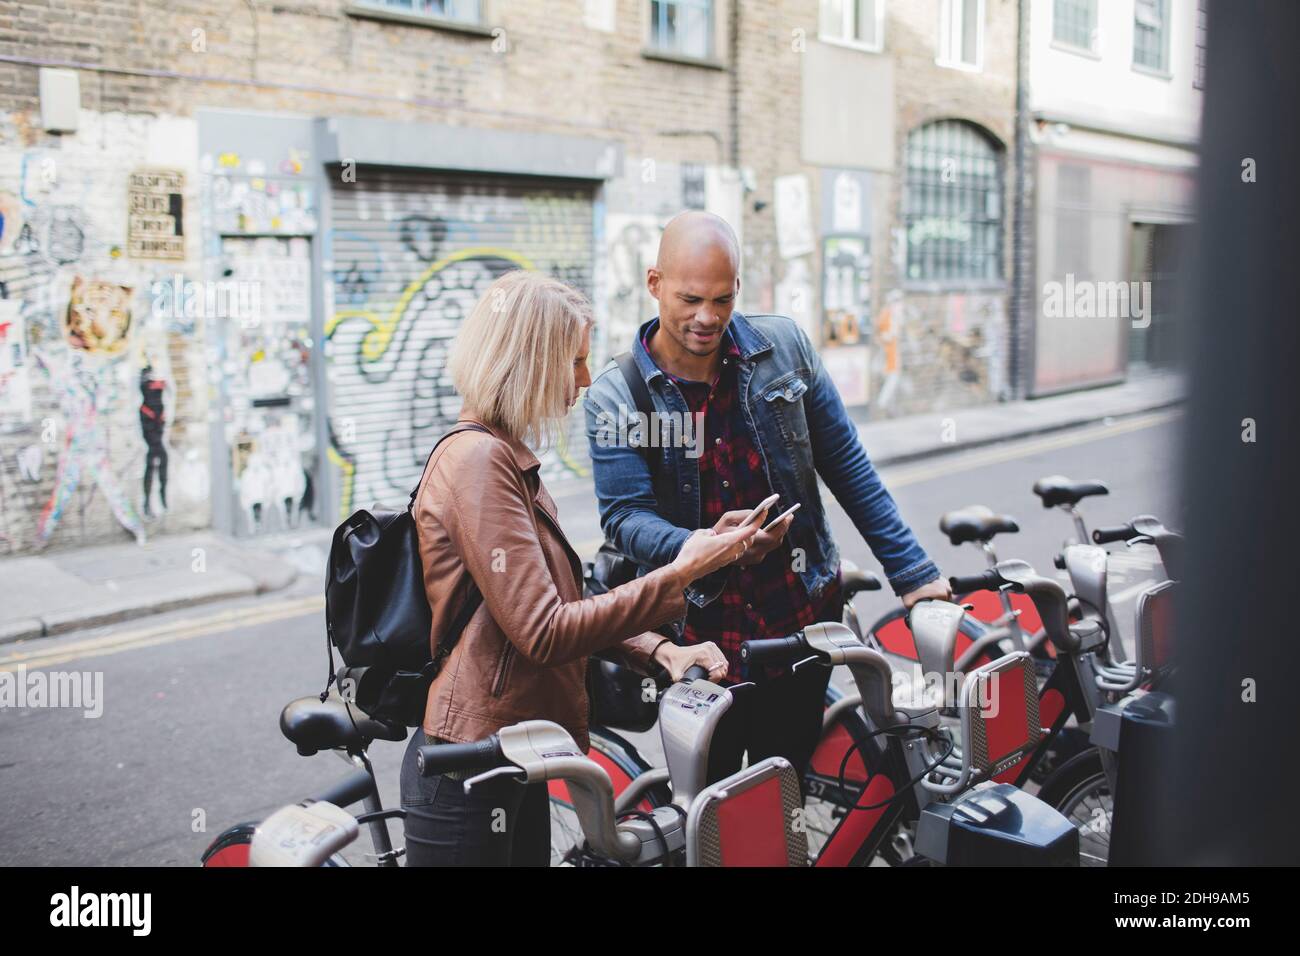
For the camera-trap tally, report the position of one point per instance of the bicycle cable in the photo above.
(856, 746)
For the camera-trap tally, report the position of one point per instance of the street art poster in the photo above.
(794, 231)
(98, 317)
(15, 387)
(154, 222)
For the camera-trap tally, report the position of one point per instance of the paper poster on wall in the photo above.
(794, 232)
(847, 209)
(849, 370)
(154, 222)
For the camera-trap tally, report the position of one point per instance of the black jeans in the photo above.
(499, 823)
(781, 717)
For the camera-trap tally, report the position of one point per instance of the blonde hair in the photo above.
(512, 360)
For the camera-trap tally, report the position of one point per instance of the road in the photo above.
(188, 741)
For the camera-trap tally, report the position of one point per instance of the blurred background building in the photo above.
(236, 238)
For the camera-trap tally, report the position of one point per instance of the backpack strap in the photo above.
(640, 396)
(474, 597)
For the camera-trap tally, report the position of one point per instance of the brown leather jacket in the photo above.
(481, 511)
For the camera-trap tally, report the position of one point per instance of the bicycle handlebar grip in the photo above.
(1108, 535)
(775, 650)
(433, 759)
(695, 672)
(988, 580)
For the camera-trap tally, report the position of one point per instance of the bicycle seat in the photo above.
(975, 523)
(854, 579)
(313, 724)
(1059, 490)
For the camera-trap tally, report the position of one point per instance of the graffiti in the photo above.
(632, 250)
(379, 438)
(30, 460)
(355, 277)
(15, 390)
(422, 236)
(98, 316)
(84, 394)
(272, 482)
(153, 420)
(11, 221)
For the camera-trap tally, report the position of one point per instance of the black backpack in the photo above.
(377, 613)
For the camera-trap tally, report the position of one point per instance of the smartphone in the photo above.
(779, 518)
(753, 516)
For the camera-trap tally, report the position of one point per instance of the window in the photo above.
(961, 33)
(1198, 74)
(1149, 32)
(461, 11)
(682, 27)
(856, 22)
(952, 203)
(1074, 23)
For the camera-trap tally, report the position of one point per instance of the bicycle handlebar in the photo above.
(483, 754)
(774, 650)
(1110, 535)
(988, 580)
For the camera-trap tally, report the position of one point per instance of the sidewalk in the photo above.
(897, 440)
(69, 590)
(65, 591)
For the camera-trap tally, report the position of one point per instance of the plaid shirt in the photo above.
(767, 599)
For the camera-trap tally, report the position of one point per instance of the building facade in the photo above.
(1115, 103)
(235, 246)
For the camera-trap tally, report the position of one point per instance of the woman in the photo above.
(483, 515)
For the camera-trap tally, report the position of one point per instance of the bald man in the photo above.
(772, 422)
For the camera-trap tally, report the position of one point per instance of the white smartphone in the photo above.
(753, 516)
(782, 516)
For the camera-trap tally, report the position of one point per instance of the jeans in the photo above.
(781, 717)
(499, 823)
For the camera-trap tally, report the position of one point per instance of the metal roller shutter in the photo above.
(409, 255)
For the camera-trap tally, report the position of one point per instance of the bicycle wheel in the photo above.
(1080, 790)
(623, 763)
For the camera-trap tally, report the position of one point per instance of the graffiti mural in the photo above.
(80, 460)
(391, 394)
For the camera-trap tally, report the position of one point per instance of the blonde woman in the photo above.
(518, 363)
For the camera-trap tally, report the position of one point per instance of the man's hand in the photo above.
(937, 590)
(763, 542)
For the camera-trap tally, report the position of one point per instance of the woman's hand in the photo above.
(706, 550)
(677, 660)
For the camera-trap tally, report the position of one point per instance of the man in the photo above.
(772, 422)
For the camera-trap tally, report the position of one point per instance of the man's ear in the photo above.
(652, 279)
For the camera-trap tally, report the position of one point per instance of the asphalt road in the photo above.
(189, 743)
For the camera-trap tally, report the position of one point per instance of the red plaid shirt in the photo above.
(767, 599)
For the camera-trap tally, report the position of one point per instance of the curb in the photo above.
(1047, 429)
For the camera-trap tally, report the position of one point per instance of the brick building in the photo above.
(236, 238)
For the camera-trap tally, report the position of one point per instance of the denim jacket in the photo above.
(797, 422)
